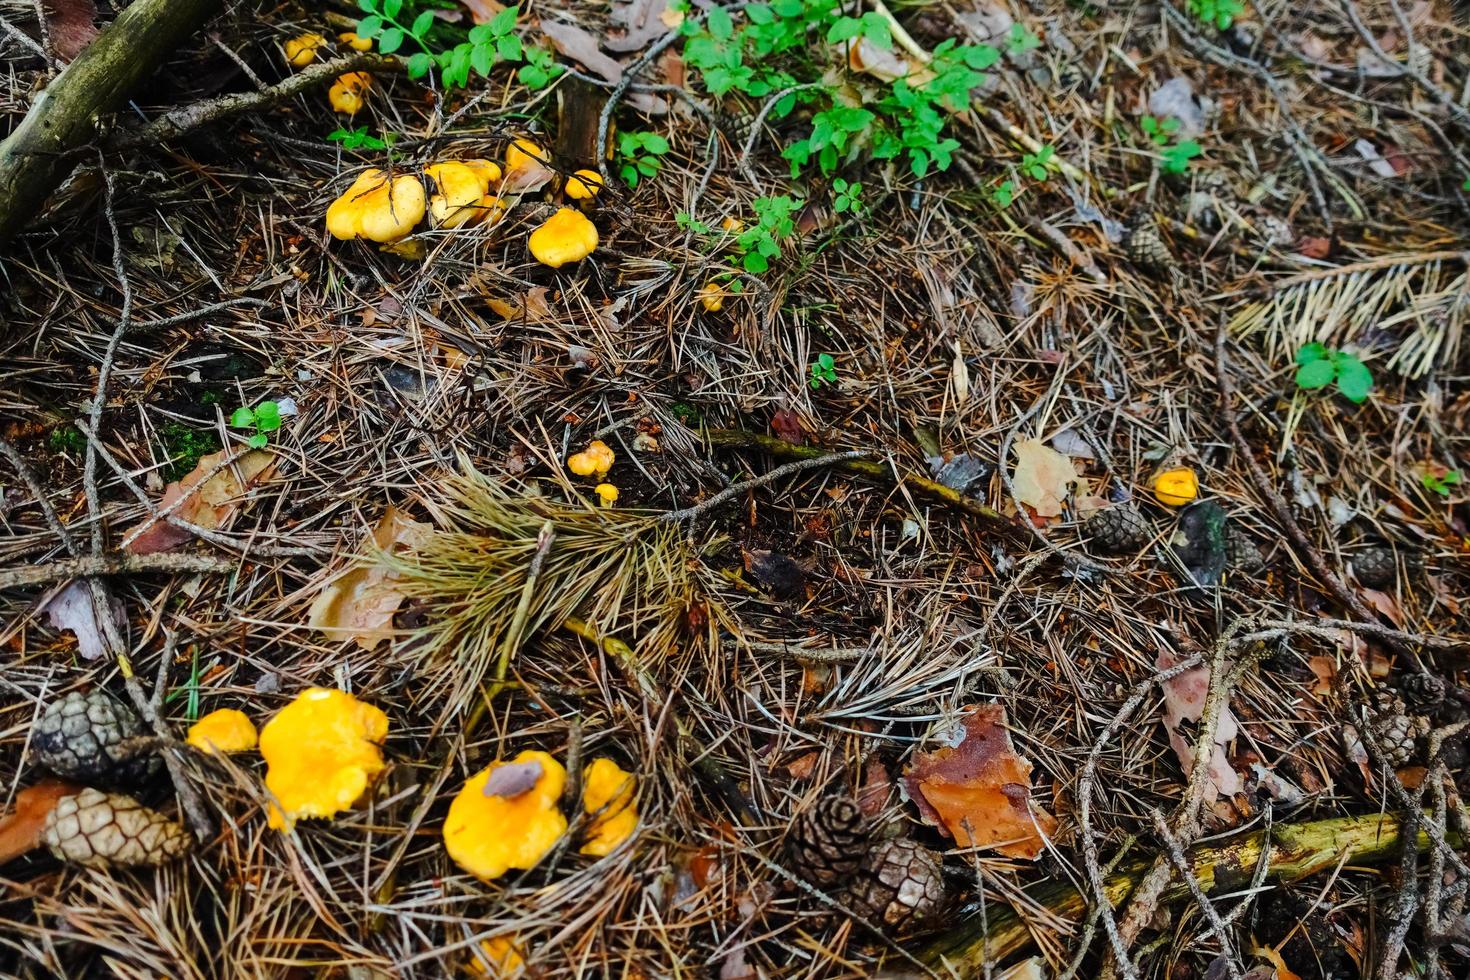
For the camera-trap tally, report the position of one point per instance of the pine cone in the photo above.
(82, 737)
(1241, 554)
(1422, 691)
(1118, 529)
(827, 842)
(1375, 567)
(1397, 731)
(1145, 247)
(900, 886)
(107, 830)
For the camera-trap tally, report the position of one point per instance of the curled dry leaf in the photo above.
(642, 21)
(1184, 701)
(360, 603)
(1325, 669)
(212, 505)
(1042, 477)
(512, 779)
(482, 11)
(530, 305)
(578, 45)
(864, 55)
(20, 829)
(73, 609)
(787, 426)
(978, 790)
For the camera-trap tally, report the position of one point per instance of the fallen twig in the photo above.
(119, 563)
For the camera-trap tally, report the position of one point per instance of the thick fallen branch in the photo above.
(115, 564)
(1296, 851)
(41, 152)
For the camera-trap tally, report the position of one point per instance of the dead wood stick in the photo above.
(40, 153)
(115, 564)
(1296, 851)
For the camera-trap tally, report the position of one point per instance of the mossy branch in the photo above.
(1296, 851)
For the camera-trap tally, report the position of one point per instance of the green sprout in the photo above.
(640, 153)
(265, 418)
(1318, 366)
(1441, 483)
(1034, 165)
(848, 197)
(822, 371)
(361, 139)
(1219, 13)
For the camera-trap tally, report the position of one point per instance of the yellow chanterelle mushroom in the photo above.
(321, 753)
(225, 730)
(1176, 487)
(496, 823)
(348, 93)
(607, 797)
(378, 208)
(565, 237)
(595, 460)
(301, 50)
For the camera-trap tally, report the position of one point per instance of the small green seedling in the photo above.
(1033, 165)
(758, 244)
(1177, 157)
(847, 197)
(265, 418)
(1465, 186)
(1020, 40)
(1319, 366)
(361, 139)
(823, 371)
(640, 153)
(1441, 483)
(1220, 13)
(1159, 130)
(1003, 195)
(540, 69)
(487, 44)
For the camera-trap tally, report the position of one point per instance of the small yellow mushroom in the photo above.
(321, 752)
(583, 185)
(377, 208)
(565, 237)
(607, 493)
(503, 955)
(595, 460)
(732, 224)
(491, 829)
(459, 190)
(1176, 487)
(522, 154)
(301, 50)
(488, 170)
(354, 42)
(225, 730)
(607, 797)
(711, 296)
(348, 93)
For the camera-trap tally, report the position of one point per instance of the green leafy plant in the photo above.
(66, 438)
(1003, 195)
(361, 139)
(540, 69)
(1440, 483)
(640, 154)
(1319, 366)
(1033, 165)
(264, 418)
(758, 244)
(1465, 186)
(822, 371)
(1177, 157)
(1020, 39)
(392, 23)
(1220, 13)
(1159, 130)
(847, 197)
(184, 447)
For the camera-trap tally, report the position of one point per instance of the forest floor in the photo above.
(1035, 437)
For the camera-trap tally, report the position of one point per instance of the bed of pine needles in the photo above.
(948, 320)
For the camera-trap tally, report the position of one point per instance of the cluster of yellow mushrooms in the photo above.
(348, 93)
(324, 750)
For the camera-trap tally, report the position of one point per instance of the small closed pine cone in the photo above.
(1375, 567)
(827, 842)
(110, 830)
(1397, 731)
(899, 886)
(83, 736)
(1118, 529)
(1422, 691)
(1241, 553)
(1145, 247)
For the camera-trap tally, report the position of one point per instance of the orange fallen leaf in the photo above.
(1184, 701)
(212, 506)
(360, 603)
(1326, 670)
(801, 767)
(20, 829)
(978, 791)
(1042, 477)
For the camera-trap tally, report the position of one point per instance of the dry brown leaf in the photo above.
(872, 798)
(1385, 604)
(360, 603)
(801, 767)
(1042, 477)
(72, 25)
(482, 11)
(1184, 700)
(20, 829)
(212, 506)
(1326, 670)
(73, 609)
(642, 20)
(577, 44)
(978, 791)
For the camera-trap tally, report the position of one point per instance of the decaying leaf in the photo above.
(73, 609)
(20, 829)
(978, 790)
(71, 24)
(530, 305)
(883, 64)
(482, 11)
(512, 779)
(360, 603)
(787, 426)
(779, 575)
(1184, 701)
(212, 506)
(578, 45)
(1325, 668)
(1042, 477)
(642, 20)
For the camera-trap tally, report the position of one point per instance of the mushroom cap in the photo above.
(489, 835)
(348, 93)
(711, 296)
(321, 752)
(607, 493)
(566, 236)
(1176, 487)
(301, 50)
(595, 460)
(504, 957)
(583, 185)
(225, 730)
(460, 189)
(607, 796)
(522, 154)
(377, 208)
(356, 43)
(488, 170)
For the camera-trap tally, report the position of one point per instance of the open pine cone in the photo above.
(84, 736)
(1397, 732)
(106, 830)
(827, 842)
(1118, 529)
(900, 886)
(1145, 247)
